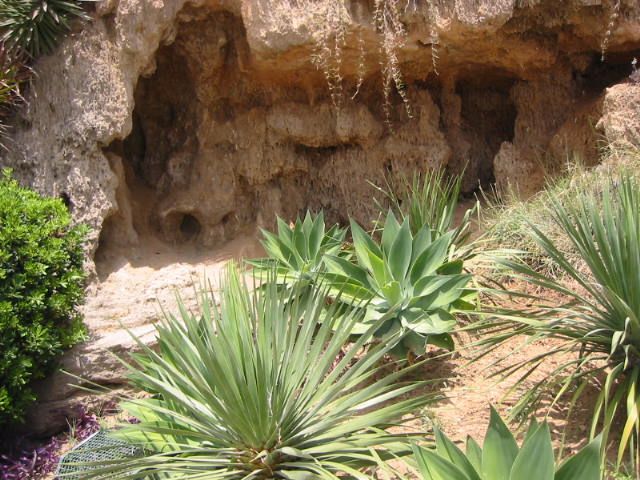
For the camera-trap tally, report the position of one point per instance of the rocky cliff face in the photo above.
(189, 122)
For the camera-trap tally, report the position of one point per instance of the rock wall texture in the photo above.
(191, 121)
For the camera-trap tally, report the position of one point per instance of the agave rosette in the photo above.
(411, 282)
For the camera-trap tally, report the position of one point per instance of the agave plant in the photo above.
(297, 251)
(599, 323)
(500, 458)
(34, 27)
(408, 281)
(257, 388)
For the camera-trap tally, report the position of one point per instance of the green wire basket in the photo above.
(99, 447)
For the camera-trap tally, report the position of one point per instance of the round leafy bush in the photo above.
(41, 285)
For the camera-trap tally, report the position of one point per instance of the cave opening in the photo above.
(602, 73)
(189, 227)
(487, 120)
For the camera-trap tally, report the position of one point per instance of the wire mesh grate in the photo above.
(99, 447)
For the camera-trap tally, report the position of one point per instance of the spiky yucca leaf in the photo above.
(257, 387)
(500, 458)
(600, 321)
(34, 27)
(429, 199)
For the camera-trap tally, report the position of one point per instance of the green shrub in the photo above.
(413, 283)
(263, 386)
(500, 458)
(41, 284)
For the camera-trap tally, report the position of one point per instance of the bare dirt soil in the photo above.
(132, 286)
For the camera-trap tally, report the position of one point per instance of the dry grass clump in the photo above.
(507, 219)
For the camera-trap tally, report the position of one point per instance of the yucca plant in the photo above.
(599, 323)
(296, 252)
(500, 458)
(257, 387)
(34, 27)
(408, 280)
(430, 198)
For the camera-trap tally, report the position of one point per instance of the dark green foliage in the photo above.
(41, 284)
(34, 27)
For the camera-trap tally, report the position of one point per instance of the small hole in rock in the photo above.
(227, 218)
(66, 199)
(189, 226)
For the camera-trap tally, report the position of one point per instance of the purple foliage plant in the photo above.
(26, 461)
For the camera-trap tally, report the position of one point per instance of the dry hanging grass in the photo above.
(613, 18)
(337, 25)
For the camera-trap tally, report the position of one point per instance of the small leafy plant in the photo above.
(263, 386)
(408, 281)
(297, 252)
(41, 285)
(500, 458)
